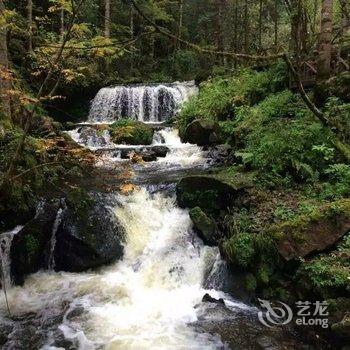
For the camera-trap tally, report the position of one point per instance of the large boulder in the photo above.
(309, 235)
(30, 246)
(204, 226)
(89, 235)
(202, 132)
(212, 192)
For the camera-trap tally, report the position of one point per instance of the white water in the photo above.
(145, 301)
(57, 222)
(5, 248)
(150, 103)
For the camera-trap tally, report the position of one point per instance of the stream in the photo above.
(152, 298)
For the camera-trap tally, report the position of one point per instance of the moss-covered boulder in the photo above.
(316, 232)
(89, 235)
(202, 132)
(30, 246)
(204, 226)
(212, 192)
(131, 132)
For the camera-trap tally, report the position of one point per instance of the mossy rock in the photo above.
(131, 133)
(211, 192)
(204, 226)
(202, 132)
(90, 234)
(314, 233)
(30, 246)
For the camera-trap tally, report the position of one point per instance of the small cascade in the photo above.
(57, 222)
(5, 249)
(146, 103)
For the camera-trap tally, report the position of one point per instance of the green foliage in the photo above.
(126, 131)
(31, 246)
(329, 274)
(247, 250)
(220, 97)
(283, 151)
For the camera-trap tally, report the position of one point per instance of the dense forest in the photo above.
(185, 150)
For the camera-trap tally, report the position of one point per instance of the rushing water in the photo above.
(145, 301)
(151, 103)
(5, 259)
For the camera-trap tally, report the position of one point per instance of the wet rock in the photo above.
(209, 299)
(160, 151)
(6, 329)
(204, 226)
(211, 192)
(93, 137)
(89, 235)
(30, 245)
(78, 311)
(202, 133)
(148, 156)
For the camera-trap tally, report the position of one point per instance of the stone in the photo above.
(88, 237)
(204, 226)
(316, 236)
(30, 245)
(211, 192)
(209, 299)
(160, 151)
(201, 132)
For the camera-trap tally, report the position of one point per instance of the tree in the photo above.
(107, 28)
(5, 103)
(325, 41)
(30, 25)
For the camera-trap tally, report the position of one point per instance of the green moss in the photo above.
(79, 202)
(250, 282)
(126, 131)
(32, 247)
(297, 224)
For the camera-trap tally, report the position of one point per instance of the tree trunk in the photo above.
(235, 26)
(179, 24)
(325, 41)
(219, 31)
(295, 27)
(30, 25)
(276, 23)
(260, 23)
(5, 84)
(246, 27)
(107, 18)
(62, 24)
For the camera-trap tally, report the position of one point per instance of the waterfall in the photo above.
(5, 249)
(57, 222)
(146, 103)
(148, 300)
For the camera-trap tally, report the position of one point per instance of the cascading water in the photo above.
(57, 222)
(145, 301)
(5, 248)
(146, 103)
